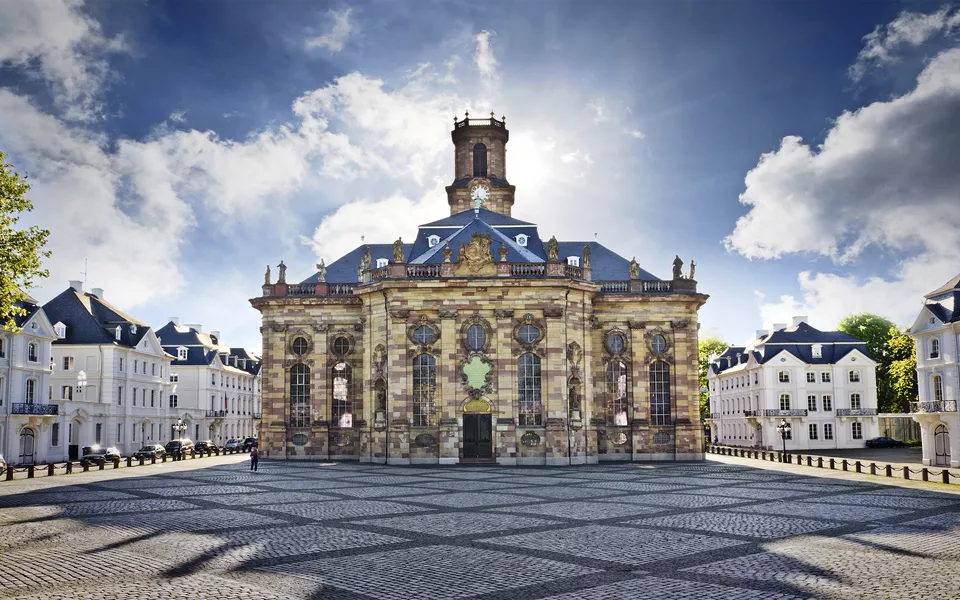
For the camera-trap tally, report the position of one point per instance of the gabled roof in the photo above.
(515, 252)
(797, 341)
(487, 216)
(92, 320)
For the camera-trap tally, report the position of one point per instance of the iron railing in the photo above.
(216, 414)
(713, 416)
(25, 408)
(793, 412)
(856, 412)
(752, 413)
(934, 407)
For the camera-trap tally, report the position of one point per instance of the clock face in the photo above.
(480, 192)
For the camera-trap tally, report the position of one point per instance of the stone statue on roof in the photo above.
(321, 271)
(398, 251)
(365, 260)
(693, 268)
(447, 252)
(553, 249)
(634, 268)
(266, 276)
(282, 272)
(677, 268)
(585, 263)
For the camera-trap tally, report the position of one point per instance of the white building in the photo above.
(936, 332)
(109, 377)
(216, 386)
(31, 428)
(823, 383)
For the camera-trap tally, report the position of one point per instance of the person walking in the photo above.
(254, 458)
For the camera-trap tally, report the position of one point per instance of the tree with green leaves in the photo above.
(706, 348)
(902, 371)
(21, 250)
(873, 330)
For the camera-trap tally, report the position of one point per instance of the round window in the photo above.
(341, 346)
(476, 338)
(616, 343)
(300, 346)
(528, 334)
(659, 344)
(424, 334)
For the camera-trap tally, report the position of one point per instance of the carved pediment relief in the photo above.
(475, 257)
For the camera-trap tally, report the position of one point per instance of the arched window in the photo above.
(937, 388)
(31, 391)
(342, 383)
(617, 392)
(424, 387)
(934, 348)
(528, 388)
(32, 352)
(660, 405)
(480, 160)
(299, 396)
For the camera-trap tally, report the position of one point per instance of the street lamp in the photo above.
(179, 427)
(784, 429)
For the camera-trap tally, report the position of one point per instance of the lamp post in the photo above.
(784, 429)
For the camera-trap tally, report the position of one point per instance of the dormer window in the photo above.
(116, 332)
(433, 240)
(382, 262)
(573, 261)
(521, 240)
(817, 350)
(60, 329)
(181, 353)
(133, 329)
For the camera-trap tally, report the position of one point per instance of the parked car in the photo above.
(150, 450)
(99, 454)
(233, 444)
(178, 447)
(205, 446)
(3, 464)
(249, 444)
(884, 442)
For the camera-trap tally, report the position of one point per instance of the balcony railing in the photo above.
(340, 289)
(23, 408)
(657, 287)
(614, 287)
(752, 413)
(423, 271)
(856, 412)
(378, 274)
(934, 407)
(256, 415)
(572, 271)
(528, 269)
(713, 416)
(301, 289)
(216, 414)
(479, 122)
(794, 412)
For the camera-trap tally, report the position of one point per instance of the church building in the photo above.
(480, 341)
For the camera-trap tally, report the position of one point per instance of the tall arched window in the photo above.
(480, 160)
(617, 392)
(342, 383)
(660, 408)
(937, 388)
(424, 387)
(299, 396)
(31, 391)
(32, 352)
(528, 388)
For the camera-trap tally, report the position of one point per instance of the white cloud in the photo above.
(68, 46)
(909, 29)
(483, 57)
(341, 28)
(179, 116)
(576, 156)
(635, 134)
(598, 107)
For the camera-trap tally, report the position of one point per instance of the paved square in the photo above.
(340, 531)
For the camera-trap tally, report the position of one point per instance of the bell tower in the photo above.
(480, 165)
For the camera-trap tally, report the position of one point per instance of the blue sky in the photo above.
(801, 153)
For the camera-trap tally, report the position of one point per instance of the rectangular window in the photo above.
(174, 377)
(133, 432)
(136, 363)
(813, 431)
(121, 363)
(825, 377)
(857, 429)
(812, 403)
(854, 376)
(153, 368)
(2, 387)
(119, 433)
(528, 386)
(119, 396)
(55, 434)
(784, 376)
(67, 363)
(756, 378)
(784, 401)
(828, 403)
(99, 433)
(213, 379)
(855, 401)
(173, 401)
(828, 431)
(66, 392)
(134, 396)
(661, 404)
(811, 377)
(153, 396)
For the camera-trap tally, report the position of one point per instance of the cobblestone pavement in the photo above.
(297, 531)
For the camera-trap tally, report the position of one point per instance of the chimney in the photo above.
(779, 326)
(98, 292)
(174, 320)
(76, 285)
(761, 333)
(215, 334)
(798, 320)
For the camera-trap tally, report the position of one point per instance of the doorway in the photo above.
(477, 436)
(26, 446)
(941, 445)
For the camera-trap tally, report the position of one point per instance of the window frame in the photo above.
(424, 378)
(661, 400)
(853, 376)
(300, 396)
(342, 394)
(828, 431)
(529, 390)
(812, 431)
(618, 407)
(783, 376)
(856, 430)
(855, 401)
(827, 402)
(934, 348)
(785, 401)
(811, 377)
(826, 377)
(812, 403)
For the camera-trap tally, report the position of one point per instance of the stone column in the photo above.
(398, 403)
(688, 434)
(275, 411)
(554, 375)
(319, 396)
(447, 375)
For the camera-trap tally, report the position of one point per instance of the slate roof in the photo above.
(92, 320)
(487, 216)
(952, 285)
(944, 302)
(202, 348)
(797, 341)
(27, 305)
(344, 269)
(465, 181)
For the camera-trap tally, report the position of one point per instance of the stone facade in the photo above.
(423, 361)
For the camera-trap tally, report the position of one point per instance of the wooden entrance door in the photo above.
(477, 436)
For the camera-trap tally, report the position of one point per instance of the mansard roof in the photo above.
(797, 341)
(344, 269)
(487, 216)
(92, 320)
(533, 252)
(944, 302)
